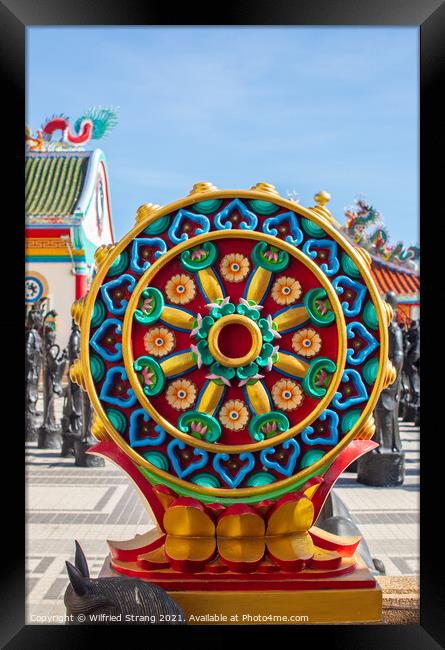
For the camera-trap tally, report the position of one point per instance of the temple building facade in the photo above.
(405, 283)
(68, 215)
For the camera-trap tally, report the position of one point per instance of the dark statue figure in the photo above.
(33, 364)
(385, 466)
(53, 369)
(81, 444)
(404, 380)
(72, 408)
(412, 369)
(116, 600)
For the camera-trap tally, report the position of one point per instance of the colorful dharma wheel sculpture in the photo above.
(234, 346)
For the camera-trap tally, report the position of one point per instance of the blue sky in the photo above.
(302, 108)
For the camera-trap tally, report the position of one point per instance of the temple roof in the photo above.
(54, 183)
(390, 278)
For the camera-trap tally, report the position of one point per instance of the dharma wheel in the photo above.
(233, 344)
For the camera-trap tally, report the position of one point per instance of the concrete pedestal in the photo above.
(49, 438)
(385, 469)
(82, 459)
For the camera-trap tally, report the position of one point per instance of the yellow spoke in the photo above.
(210, 284)
(291, 318)
(291, 365)
(258, 397)
(258, 284)
(210, 398)
(177, 318)
(177, 363)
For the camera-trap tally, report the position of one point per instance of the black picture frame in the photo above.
(429, 15)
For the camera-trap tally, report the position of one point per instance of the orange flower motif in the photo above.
(234, 414)
(180, 289)
(306, 342)
(181, 394)
(287, 395)
(159, 341)
(286, 290)
(234, 267)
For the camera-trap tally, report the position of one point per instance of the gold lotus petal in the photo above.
(247, 524)
(188, 521)
(296, 515)
(241, 550)
(298, 546)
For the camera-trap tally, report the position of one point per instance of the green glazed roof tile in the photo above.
(53, 183)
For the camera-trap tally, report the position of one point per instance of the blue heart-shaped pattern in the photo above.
(135, 422)
(287, 469)
(119, 308)
(182, 215)
(352, 357)
(331, 438)
(105, 395)
(201, 455)
(159, 246)
(340, 283)
(231, 481)
(311, 248)
(222, 222)
(95, 340)
(296, 236)
(358, 398)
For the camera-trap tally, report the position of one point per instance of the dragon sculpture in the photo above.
(94, 124)
(362, 216)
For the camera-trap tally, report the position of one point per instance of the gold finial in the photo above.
(198, 188)
(77, 309)
(265, 187)
(322, 198)
(97, 428)
(76, 374)
(102, 253)
(145, 210)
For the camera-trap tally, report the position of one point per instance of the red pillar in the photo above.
(81, 285)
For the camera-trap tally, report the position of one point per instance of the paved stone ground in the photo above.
(65, 502)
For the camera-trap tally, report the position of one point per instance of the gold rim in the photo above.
(233, 319)
(129, 359)
(307, 213)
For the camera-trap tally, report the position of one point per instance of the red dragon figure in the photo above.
(95, 123)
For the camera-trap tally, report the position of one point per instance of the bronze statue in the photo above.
(33, 364)
(385, 466)
(72, 408)
(54, 367)
(86, 440)
(404, 380)
(116, 600)
(386, 413)
(413, 370)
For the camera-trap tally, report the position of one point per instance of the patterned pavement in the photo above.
(65, 502)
